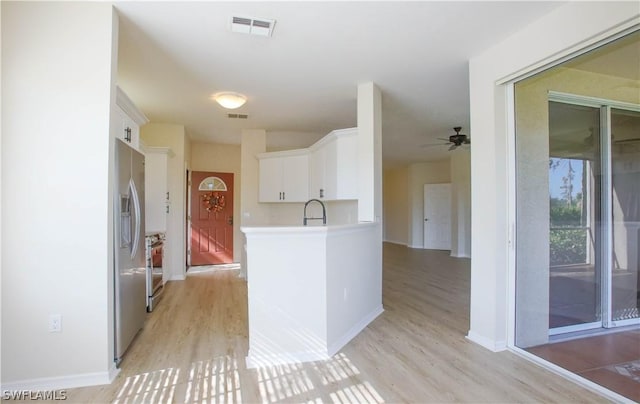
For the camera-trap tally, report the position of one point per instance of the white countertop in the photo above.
(306, 229)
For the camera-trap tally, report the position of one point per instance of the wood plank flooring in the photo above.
(193, 346)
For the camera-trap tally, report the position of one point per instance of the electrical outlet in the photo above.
(55, 323)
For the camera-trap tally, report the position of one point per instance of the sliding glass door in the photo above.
(575, 270)
(625, 213)
(578, 241)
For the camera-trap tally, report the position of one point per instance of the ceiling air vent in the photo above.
(254, 26)
(238, 116)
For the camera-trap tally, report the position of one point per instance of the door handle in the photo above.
(426, 220)
(230, 220)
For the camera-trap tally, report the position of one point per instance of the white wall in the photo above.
(226, 159)
(290, 325)
(253, 213)
(353, 282)
(404, 201)
(57, 89)
(565, 29)
(291, 214)
(174, 137)
(461, 204)
(437, 172)
(396, 205)
(253, 143)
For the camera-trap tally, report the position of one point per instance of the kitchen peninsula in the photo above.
(311, 290)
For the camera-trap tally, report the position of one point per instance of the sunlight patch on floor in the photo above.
(212, 268)
(358, 393)
(295, 382)
(157, 386)
(215, 380)
(280, 382)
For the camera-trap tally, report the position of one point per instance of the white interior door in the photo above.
(437, 216)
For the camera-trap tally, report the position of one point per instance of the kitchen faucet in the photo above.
(324, 212)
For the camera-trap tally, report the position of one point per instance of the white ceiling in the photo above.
(301, 83)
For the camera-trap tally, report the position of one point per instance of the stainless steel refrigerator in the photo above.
(130, 263)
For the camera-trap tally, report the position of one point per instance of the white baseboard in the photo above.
(353, 331)
(113, 372)
(457, 255)
(495, 346)
(63, 382)
(257, 360)
(416, 246)
(395, 242)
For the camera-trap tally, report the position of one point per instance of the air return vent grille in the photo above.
(254, 26)
(238, 116)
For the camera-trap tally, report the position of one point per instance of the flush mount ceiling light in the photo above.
(229, 100)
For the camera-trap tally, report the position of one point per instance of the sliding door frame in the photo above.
(606, 204)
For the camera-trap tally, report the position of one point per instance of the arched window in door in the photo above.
(212, 184)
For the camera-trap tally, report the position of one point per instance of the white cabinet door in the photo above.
(270, 187)
(125, 128)
(334, 167)
(317, 173)
(295, 178)
(127, 120)
(156, 189)
(346, 163)
(284, 178)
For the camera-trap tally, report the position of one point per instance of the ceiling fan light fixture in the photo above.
(229, 99)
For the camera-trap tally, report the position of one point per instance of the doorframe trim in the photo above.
(586, 101)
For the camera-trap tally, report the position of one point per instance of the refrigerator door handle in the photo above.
(136, 207)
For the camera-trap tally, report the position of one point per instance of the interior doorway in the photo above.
(437, 216)
(211, 235)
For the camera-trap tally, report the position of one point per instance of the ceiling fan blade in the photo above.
(434, 144)
(636, 139)
(453, 147)
(446, 140)
(467, 141)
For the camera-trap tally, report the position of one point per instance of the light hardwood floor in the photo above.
(193, 346)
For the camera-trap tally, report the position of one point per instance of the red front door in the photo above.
(211, 218)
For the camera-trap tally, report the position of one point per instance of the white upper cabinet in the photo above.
(127, 120)
(328, 170)
(284, 176)
(334, 166)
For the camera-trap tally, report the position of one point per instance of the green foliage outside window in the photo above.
(567, 245)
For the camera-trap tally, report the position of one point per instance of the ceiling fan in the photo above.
(454, 140)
